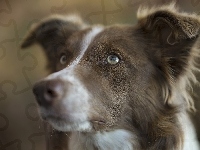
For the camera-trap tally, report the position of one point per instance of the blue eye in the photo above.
(63, 59)
(113, 59)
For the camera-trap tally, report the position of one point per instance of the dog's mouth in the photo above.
(62, 124)
(65, 124)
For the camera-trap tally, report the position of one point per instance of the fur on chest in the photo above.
(114, 140)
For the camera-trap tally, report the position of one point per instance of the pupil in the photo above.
(113, 58)
(63, 59)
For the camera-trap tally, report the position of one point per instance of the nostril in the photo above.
(51, 93)
(55, 88)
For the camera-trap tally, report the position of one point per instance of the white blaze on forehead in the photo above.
(90, 36)
(86, 42)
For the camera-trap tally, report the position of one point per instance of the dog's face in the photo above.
(112, 77)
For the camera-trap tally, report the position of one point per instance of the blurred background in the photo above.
(20, 125)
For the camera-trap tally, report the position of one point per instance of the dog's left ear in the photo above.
(173, 36)
(172, 46)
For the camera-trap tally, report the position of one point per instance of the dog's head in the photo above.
(118, 76)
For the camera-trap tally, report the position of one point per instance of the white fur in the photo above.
(75, 104)
(190, 140)
(86, 42)
(76, 97)
(79, 126)
(113, 140)
(76, 101)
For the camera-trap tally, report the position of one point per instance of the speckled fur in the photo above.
(145, 95)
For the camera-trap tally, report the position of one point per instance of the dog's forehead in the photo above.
(84, 41)
(121, 40)
(97, 42)
(102, 38)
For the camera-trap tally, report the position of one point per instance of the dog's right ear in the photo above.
(53, 32)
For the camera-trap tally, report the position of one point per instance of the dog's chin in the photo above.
(65, 126)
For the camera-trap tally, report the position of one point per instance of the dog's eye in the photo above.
(113, 59)
(63, 59)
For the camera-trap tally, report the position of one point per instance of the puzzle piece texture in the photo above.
(20, 125)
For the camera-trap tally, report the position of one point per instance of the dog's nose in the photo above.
(46, 92)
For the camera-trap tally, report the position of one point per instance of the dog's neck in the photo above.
(116, 140)
(126, 140)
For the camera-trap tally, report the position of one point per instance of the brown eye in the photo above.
(113, 59)
(63, 59)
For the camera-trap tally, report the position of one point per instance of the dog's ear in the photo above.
(52, 34)
(173, 37)
(174, 34)
(52, 31)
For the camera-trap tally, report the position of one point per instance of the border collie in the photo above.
(120, 87)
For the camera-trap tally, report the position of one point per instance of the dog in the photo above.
(121, 87)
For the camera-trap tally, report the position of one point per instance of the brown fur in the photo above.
(140, 92)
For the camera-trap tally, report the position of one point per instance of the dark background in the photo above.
(20, 126)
